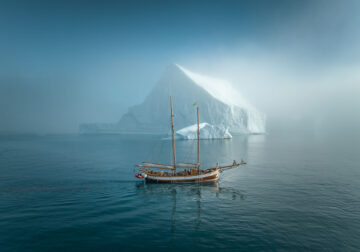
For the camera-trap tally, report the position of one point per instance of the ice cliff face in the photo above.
(207, 131)
(220, 105)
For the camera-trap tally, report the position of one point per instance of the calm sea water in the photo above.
(70, 192)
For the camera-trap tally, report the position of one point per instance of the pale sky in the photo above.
(63, 63)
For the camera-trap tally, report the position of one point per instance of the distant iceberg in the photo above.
(220, 105)
(207, 131)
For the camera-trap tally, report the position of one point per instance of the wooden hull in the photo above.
(207, 177)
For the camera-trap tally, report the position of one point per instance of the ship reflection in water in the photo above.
(196, 192)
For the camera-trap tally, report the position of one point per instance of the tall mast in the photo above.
(198, 140)
(172, 133)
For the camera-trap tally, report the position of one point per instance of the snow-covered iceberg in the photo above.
(220, 105)
(207, 131)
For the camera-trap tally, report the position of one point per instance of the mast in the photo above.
(198, 140)
(172, 133)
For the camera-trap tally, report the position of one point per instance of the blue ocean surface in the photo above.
(298, 192)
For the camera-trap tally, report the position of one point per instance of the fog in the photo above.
(297, 97)
(66, 63)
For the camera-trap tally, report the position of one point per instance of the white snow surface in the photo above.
(226, 93)
(207, 131)
(220, 104)
(218, 88)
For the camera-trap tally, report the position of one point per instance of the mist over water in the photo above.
(64, 64)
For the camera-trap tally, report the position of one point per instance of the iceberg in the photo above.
(207, 131)
(220, 104)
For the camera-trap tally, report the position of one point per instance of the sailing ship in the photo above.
(182, 172)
